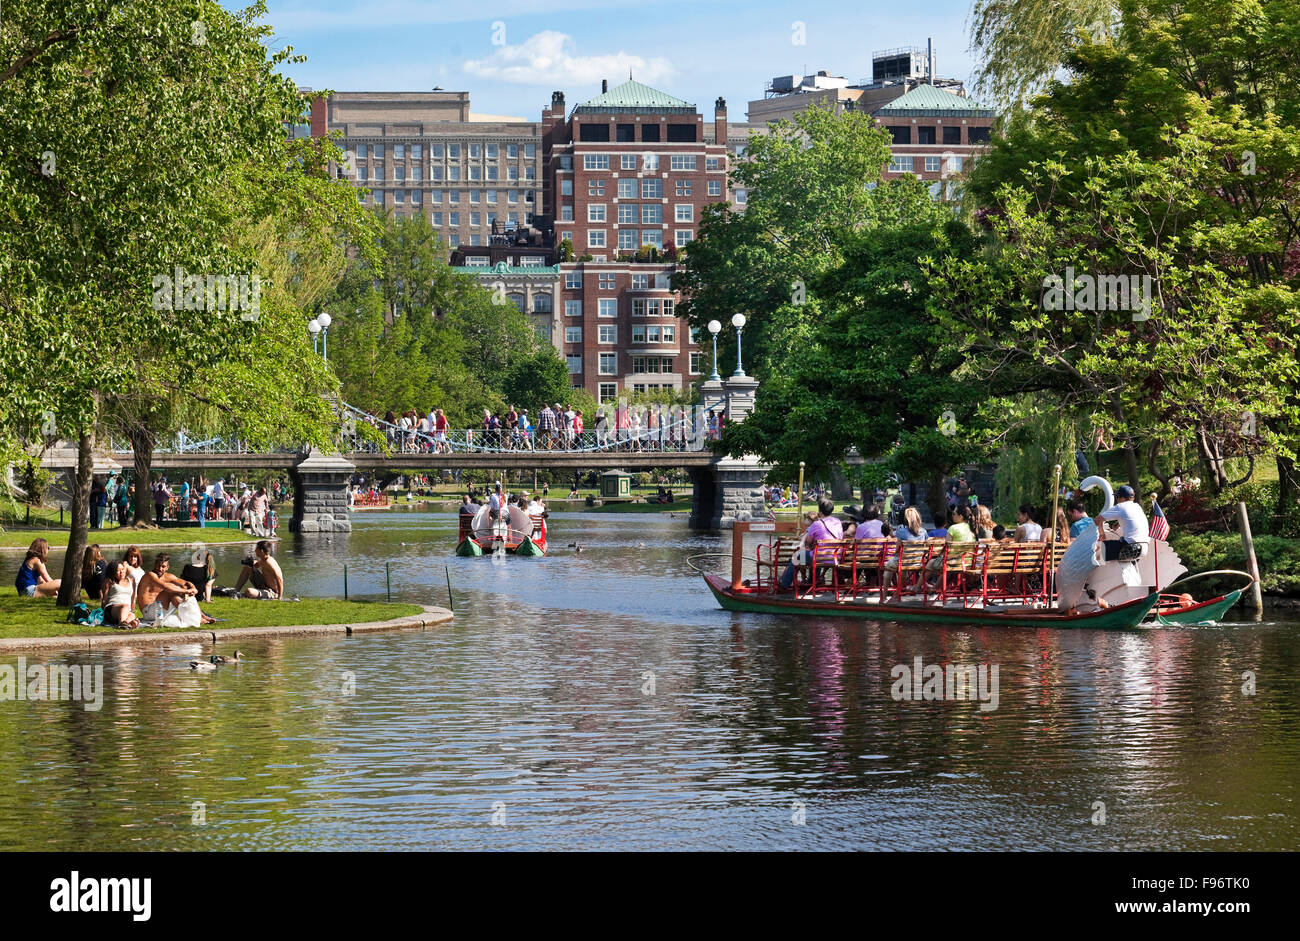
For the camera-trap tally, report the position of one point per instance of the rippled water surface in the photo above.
(530, 722)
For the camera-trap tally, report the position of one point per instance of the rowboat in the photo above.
(1181, 609)
(514, 531)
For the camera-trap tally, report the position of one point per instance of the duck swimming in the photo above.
(202, 666)
(218, 658)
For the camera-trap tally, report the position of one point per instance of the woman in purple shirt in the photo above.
(825, 528)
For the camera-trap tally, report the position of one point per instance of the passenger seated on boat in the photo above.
(870, 525)
(913, 530)
(1134, 530)
(959, 532)
(825, 528)
(1028, 529)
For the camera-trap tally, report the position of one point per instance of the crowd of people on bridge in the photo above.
(557, 427)
(115, 590)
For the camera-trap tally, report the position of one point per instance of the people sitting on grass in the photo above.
(134, 563)
(33, 579)
(119, 596)
(162, 586)
(93, 568)
(261, 576)
(201, 572)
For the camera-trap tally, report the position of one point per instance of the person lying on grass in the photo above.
(165, 588)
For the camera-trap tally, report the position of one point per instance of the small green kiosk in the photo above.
(616, 485)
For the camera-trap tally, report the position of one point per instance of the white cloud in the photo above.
(549, 57)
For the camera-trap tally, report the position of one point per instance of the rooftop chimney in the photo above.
(604, 85)
(720, 120)
(929, 60)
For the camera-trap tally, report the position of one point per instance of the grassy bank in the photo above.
(38, 617)
(116, 537)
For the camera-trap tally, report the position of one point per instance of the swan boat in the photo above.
(985, 583)
(516, 532)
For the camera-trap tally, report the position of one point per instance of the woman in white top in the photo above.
(134, 563)
(1027, 530)
(119, 596)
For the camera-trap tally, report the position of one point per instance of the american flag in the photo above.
(1159, 525)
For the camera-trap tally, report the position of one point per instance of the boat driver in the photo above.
(1133, 528)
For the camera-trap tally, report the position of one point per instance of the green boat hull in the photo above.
(1122, 617)
(528, 547)
(468, 547)
(1211, 611)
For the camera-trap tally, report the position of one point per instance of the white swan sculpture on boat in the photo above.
(1080, 568)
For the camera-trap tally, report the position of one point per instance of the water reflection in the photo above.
(532, 702)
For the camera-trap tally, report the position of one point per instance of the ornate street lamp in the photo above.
(325, 320)
(738, 321)
(715, 328)
(314, 329)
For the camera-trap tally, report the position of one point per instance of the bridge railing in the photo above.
(686, 433)
(682, 431)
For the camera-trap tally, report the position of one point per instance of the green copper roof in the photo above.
(633, 95)
(926, 99)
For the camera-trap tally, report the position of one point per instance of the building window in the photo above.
(977, 135)
(608, 392)
(595, 161)
(453, 197)
(435, 174)
(379, 197)
(361, 151)
(566, 162)
(435, 150)
(627, 213)
(566, 187)
(530, 151)
(379, 151)
(475, 196)
(712, 163)
(668, 306)
(682, 161)
(435, 197)
(492, 197)
(476, 218)
(512, 151)
(573, 308)
(627, 161)
(932, 164)
(453, 218)
(627, 188)
(453, 151)
(607, 333)
(475, 173)
(572, 334)
(684, 212)
(900, 165)
(574, 364)
(453, 174)
(596, 212)
(399, 151)
(925, 135)
(683, 187)
(595, 238)
(715, 187)
(528, 196)
(361, 174)
(742, 197)
(607, 307)
(415, 197)
(652, 364)
(640, 282)
(435, 218)
(695, 363)
(573, 280)
(650, 161)
(399, 173)
(453, 240)
(652, 189)
(595, 187)
(512, 173)
(477, 261)
(379, 174)
(417, 173)
(952, 135)
(606, 280)
(901, 135)
(566, 213)
(608, 364)
(493, 174)
(627, 238)
(683, 237)
(651, 213)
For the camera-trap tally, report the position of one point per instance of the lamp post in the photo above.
(715, 328)
(325, 320)
(738, 321)
(314, 329)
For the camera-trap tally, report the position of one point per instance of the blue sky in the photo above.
(510, 54)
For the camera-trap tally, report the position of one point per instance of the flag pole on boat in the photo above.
(798, 525)
(1051, 552)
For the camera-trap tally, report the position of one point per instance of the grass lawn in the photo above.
(38, 617)
(116, 536)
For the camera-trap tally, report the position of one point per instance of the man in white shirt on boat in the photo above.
(1133, 527)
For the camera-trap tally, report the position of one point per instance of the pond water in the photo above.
(601, 700)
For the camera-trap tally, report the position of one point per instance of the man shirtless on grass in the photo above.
(165, 588)
(265, 580)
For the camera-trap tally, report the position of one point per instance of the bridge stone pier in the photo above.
(730, 490)
(320, 494)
